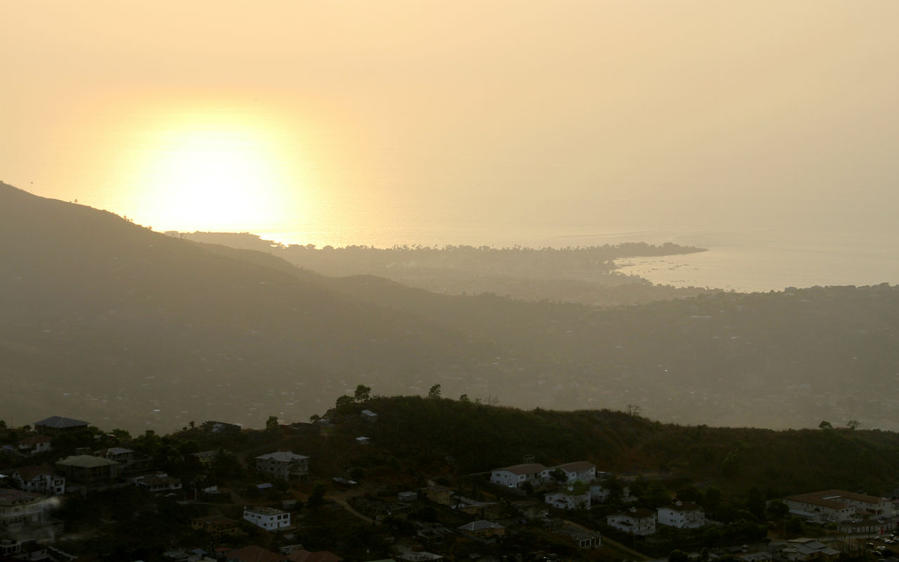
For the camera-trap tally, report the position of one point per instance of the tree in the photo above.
(464, 398)
(825, 425)
(271, 423)
(362, 394)
(434, 392)
(343, 402)
(852, 424)
(559, 475)
(317, 498)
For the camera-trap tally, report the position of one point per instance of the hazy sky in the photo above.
(626, 114)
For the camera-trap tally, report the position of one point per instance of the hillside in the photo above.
(106, 320)
(472, 438)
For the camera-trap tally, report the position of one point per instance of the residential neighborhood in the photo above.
(314, 492)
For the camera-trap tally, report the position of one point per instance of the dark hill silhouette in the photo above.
(109, 321)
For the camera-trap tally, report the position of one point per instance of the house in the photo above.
(838, 506)
(283, 464)
(268, 518)
(682, 516)
(19, 510)
(578, 471)
(120, 455)
(516, 475)
(253, 553)
(368, 415)
(568, 500)
(483, 528)
(39, 479)
(55, 425)
(220, 427)
(363, 440)
(35, 444)
(640, 522)
(407, 496)
(88, 469)
(159, 482)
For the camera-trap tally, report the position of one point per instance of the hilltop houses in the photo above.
(268, 518)
(578, 471)
(39, 479)
(568, 500)
(516, 475)
(639, 522)
(839, 506)
(682, 516)
(283, 464)
(88, 469)
(56, 425)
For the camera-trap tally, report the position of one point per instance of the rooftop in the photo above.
(263, 510)
(835, 499)
(576, 466)
(58, 422)
(283, 456)
(527, 468)
(86, 461)
(27, 473)
(9, 497)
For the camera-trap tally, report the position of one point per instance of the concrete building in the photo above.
(516, 475)
(682, 516)
(640, 522)
(88, 469)
(283, 464)
(267, 518)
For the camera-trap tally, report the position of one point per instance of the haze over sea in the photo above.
(762, 260)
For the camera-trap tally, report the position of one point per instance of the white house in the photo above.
(838, 506)
(516, 475)
(568, 500)
(268, 518)
(35, 444)
(283, 464)
(40, 480)
(682, 516)
(369, 415)
(639, 522)
(20, 509)
(578, 471)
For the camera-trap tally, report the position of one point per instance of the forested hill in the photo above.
(472, 437)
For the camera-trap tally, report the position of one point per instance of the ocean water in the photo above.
(762, 260)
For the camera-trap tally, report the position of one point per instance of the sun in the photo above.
(214, 171)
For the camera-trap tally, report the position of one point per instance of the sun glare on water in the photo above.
(215, 171)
